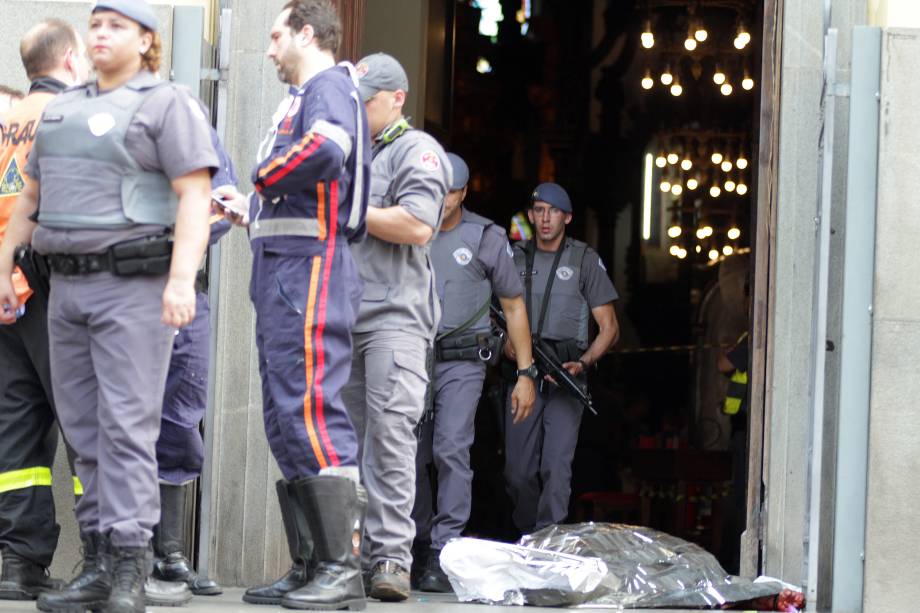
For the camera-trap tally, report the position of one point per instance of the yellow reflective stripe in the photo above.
(77, 487)
(25, 477)
(740, 377)
(731, 406)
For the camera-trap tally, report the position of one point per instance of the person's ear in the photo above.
(399, 99)
(530, 216)
(568, 218)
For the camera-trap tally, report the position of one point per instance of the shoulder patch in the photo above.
(429, 160)
(12, 182)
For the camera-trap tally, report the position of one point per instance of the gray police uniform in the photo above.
(396, 324)
(539, 450)
(104, 162)
(470, 261)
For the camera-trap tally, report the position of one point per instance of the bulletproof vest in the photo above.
(567, 312)
(459, 275)
(89, 180)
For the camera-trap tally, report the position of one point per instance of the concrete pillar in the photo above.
(893, 505)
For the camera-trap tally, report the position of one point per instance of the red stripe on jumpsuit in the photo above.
(332, 221)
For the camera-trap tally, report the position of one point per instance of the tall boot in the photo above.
(130, 567)
(90, 589)
(169, 541)
(300, 544)
(23, 579)
(335, 511)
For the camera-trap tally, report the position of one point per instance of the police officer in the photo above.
(180, 448)
(565, 285)
(118, 162)
(54, 58)
(312, 184)
(472, 259)
(397, 319)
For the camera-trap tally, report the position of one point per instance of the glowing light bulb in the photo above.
(729, 186)
(674, 250)
(734, 233)
(701, 34)
(690, 44)
(699, 249)
(726, 89)
(716, 157)
(686, 164)
(692, 184)
(715, 191)
(718, 77)
(676, 90)
(661, 161)
(666, 77)
(713, 255)
(701, 233)
(682, 253)
(647, 38)
(726, 165)
(747, 83)
(665, 186)
(741, 189)
(727, 250)
(677, 189)
(647, 81)
(674, 231)
(741, 163)
(672, 158)
(708, 231)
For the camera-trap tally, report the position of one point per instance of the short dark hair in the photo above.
(44, 46)
(321, 14)
(15, 94)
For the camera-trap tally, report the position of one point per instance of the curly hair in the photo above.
(150, 60)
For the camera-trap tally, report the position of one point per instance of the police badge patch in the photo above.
(100, 123)
(463, 256)
(12, 182)
(564, 273)
(429, 161)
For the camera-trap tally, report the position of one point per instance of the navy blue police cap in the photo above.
(552, 194)
(138, 10)
(461, 172)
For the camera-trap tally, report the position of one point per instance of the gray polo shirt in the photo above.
(169, 133)
(399, 294)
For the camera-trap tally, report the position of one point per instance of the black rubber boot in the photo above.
(169, 541)
(23, 579)
(435, 579)
(300, 545)
(130, 567)
(90, 589)
(335, 511)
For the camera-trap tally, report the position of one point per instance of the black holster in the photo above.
(150, 255)
(477, 347)
(35, 269)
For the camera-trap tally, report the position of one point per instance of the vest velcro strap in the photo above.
(266, 228)
(37, 476)
(77, 487)
(333, 133)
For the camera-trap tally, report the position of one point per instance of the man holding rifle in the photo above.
(565, 285)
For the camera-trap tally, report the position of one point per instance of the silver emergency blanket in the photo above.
(609, 565)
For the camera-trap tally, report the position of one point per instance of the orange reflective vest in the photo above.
(17, 133)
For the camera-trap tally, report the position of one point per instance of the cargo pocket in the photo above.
(409, 380)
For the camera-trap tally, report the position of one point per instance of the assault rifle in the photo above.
(549, 363)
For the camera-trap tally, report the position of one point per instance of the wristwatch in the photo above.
(530, 371)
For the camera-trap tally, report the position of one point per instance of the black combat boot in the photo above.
(435, 579)
(335, 511)
(169, 541)
(300, 545)
(23, 579)
(159, 593)
(130, 567)
(91, 588)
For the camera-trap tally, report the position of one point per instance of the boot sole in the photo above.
(388, 593)
(261, 600)
(208, 591)
(357, 604)
(83, 608)
(18, 595)
(151, 602)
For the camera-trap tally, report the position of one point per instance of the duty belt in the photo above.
(79, 263)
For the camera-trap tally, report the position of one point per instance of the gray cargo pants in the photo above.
(538, 459)
(109, 359)
(385, 398)
(446, 443)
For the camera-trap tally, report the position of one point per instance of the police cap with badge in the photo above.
(554, 195)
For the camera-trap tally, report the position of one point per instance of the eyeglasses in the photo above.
(541, 211)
